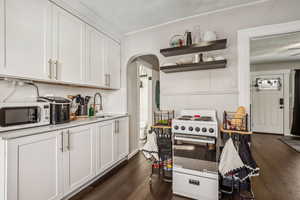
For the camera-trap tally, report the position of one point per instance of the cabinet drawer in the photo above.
(195, 187)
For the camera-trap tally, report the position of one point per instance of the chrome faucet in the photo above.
(101, 106)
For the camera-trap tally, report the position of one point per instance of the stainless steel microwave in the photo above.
(23, 115)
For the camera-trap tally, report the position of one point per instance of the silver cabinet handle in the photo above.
(118, 126)
(62, 141)
(108, 80)
(68, 146)
(50, 62)
(55, 69)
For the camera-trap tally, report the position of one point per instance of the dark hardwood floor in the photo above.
(279, 178)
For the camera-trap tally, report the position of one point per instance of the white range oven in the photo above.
(195, 171)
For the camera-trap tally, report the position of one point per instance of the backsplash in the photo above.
(111, 99)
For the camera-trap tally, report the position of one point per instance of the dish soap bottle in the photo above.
(91, 111)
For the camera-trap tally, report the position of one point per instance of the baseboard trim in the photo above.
(133, 153)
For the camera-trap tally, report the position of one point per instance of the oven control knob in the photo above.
(197, 129)
(204, 130)
(176, 127)
(191, 128)
(183, 128)
(211, 130)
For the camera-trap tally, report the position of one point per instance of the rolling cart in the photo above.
(235, 185)
(164, 166)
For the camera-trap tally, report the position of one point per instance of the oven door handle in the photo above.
(184, 139)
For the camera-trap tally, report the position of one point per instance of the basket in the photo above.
(235, 121)
(163, 117)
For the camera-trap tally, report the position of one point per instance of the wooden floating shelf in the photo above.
(194, 66)
(201, 47)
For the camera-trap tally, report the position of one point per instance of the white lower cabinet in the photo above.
(78, 157)
(34, 167)
(121, 138)
(104, 146)
(53, 165)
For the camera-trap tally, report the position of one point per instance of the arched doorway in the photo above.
(142, 77)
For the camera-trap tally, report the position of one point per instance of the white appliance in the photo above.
(23, 115)
(195, 171)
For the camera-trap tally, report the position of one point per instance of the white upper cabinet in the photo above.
(95, 43)
(113, 64)
(39, 40)
(78, 157)
(27, 28)
(1, 36)
(34, 167)
(68, 47)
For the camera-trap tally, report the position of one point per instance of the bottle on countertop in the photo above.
(91, 111)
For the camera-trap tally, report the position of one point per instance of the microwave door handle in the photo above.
(194, 140)
(39, 114)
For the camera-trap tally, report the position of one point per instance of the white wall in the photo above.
(215, 89)
(146, 96)
(111, 101)
(275, 66)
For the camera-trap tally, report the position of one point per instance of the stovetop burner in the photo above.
(185, 117)
(206, 119)
(191, 118)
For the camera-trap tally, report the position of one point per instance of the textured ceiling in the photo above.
(277, 48)
(132, 15)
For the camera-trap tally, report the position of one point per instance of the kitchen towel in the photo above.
(150, 149)
(230, 161)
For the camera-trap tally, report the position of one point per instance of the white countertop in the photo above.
(6, 135)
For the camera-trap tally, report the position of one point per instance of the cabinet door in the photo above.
(69, 47)
(34, 167)
(95, 57)
(2, 44)
(105, 146)
(122, 132)
(113, 64)
(27, 29)
(78, 157)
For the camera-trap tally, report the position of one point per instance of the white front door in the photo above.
(267, 106)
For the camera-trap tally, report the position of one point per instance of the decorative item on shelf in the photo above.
(198, 58)
(188, 36)
(186, 60)
(236, 121)
(208, 58)
(163, 117)
(176, 41)
(208, 36)
(217, 58)
(196, 34)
